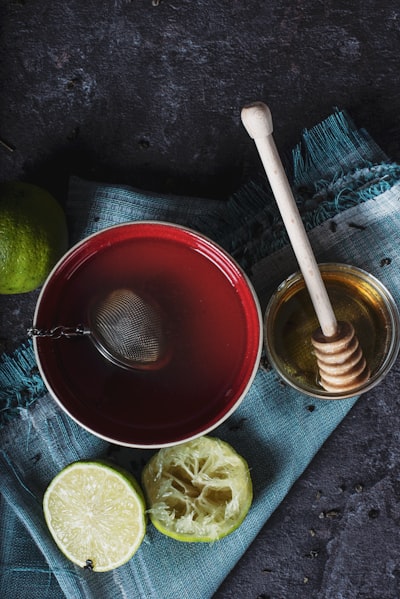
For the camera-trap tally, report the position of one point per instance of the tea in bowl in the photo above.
(194, 294)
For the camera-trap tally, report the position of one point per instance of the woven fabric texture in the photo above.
(339, 173)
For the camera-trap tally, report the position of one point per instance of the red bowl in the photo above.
(209, 305)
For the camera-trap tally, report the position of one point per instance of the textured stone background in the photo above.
(149, 93)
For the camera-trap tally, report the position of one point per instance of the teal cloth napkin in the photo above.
(348, 193)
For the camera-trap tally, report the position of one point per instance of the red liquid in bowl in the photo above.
(209, 309)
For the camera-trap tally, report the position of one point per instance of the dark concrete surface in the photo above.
(149, 93)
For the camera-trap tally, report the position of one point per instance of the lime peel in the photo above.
(198, 491)
(96, 514)
(33, 236)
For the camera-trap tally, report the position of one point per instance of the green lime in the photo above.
(198, 491)
(33, 236)
(96, 514)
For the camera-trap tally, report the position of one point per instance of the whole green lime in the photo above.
(33, 236)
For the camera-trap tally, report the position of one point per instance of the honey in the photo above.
(356, 297)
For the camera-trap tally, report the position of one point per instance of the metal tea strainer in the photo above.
(127, 330)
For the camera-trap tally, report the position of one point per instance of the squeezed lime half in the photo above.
(199, 491)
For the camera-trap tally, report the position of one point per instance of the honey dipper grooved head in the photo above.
(341, 363)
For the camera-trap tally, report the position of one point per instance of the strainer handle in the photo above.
(60, 331)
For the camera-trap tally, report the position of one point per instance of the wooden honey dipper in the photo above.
(341, 363)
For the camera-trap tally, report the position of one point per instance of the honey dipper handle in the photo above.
(257, 120)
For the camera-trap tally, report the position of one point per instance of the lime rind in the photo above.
(199, 491)
(33, 236)
(96, 514)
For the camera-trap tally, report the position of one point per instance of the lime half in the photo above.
(96, 514)
(197, 491)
